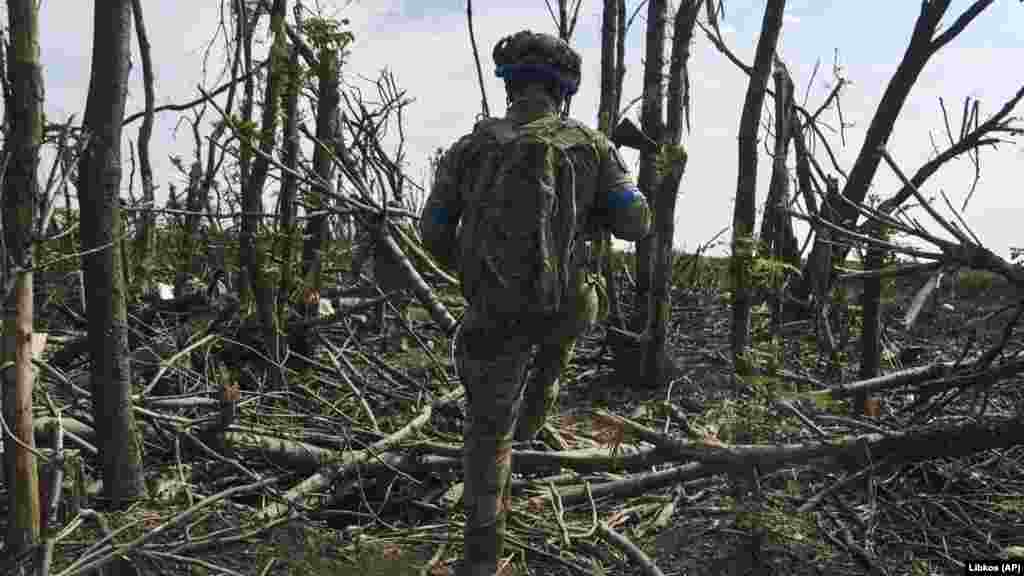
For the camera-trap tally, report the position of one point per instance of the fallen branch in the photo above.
(299, 495)
(96, 560)
(170, 361)
(631, 550)
(630, 458)
(638, 484)
(282, 451)
(845, 452)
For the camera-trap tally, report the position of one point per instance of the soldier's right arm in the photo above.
(618, 198)
(440, 218)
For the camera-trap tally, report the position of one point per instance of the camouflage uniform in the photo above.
(493, 354)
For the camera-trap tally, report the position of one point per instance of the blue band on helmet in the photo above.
(622, 197)
(541, 72)
(440, 215)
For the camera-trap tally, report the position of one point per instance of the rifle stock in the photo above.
(627, 134)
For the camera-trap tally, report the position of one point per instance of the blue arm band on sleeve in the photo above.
(440, 215)
(622, 197)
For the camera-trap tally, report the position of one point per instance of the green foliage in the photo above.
(700, 273)
(920, 567)
(323, 553)
(53, 255)
(248, 131)
(1009, 504)
(974, 283)
(747, 421)
(689, 270)
(667, 158)
(782, 526)
(824, 401)
(766, 356)
(741, 263)
(327, 33)
(770, 273)
(744, 247)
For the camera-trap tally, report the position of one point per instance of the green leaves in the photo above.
(327, 33)
(669, 157)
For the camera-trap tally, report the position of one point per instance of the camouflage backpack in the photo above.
(519, 226)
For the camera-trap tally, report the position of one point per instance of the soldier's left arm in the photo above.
(440, 218)
(624, 206)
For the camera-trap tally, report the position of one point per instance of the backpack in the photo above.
(519, 225)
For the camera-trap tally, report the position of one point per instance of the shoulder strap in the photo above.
(502, 130)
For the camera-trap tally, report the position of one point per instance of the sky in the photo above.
(426, 46)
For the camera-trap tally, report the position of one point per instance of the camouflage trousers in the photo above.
(502, 405)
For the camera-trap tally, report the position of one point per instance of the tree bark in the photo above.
(652, 124)
(871, 333)
(289, 184)
(746, 183)
(146, 235)
(328, 126)
(99, 179)
(924, 43)
(777, 237)
(607, 117)
(914, 59)
(252, 197)
(657, 363)
(620, 54)
(20, 192)
(247, 24)
(189, 259)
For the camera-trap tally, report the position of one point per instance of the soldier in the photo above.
(499, 333)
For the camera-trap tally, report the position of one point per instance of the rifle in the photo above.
(628, 135)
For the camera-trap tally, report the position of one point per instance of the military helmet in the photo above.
(528, 55)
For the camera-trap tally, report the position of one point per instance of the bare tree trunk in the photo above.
(147, 221)
(607, 117)
(328, 126)
(921, 48)
(820, 263)
(189, 262)
(99, 179)
(20, 193)
(620, 55)
(213, 160)
(606, 113)
(653, 125)
(656, 369)
(870, 338)
(252, 196)
(289, 184)
(247, 24)
(612, 287)
(777, 235)
(924, 43)
(746, 183)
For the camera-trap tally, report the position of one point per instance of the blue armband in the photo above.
(622, 197)
(439, 214)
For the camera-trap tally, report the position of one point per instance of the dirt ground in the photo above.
(916, 519)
